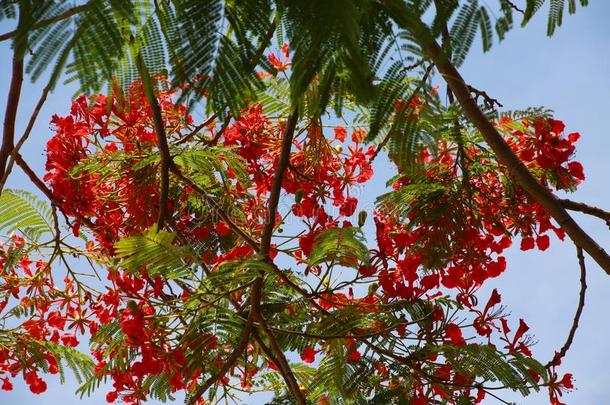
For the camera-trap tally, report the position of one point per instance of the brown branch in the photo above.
(581, 304)
(276, 185)
(166, 159)
(494, 139)
(198, 128)
(255, 298)
(265, 245)
(35, 179)
(24, 137)
(44, 189)
(513, 6)
(282, 363)
(586, 209)
(10, 114)
(487, 100)
(66, 14)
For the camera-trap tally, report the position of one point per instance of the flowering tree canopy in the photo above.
(238, 252)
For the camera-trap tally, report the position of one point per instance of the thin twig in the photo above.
(223, 215)
(586, 209)
(44, 189)
(581, 304)
(198, 128)
(489, 102)
(514, 6)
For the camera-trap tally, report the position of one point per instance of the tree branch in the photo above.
(24, 137)
(223, 215)
(513, 6)
(10, 115)
(276, 185)
(166, 159)
(489, 102)
(581, 304)
(586, 209)
(283, 364)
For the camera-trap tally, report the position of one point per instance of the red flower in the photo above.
(576, 170)
(527, 243)
(7, 385)
(112, 396)
(222, 229)
(69, 339)
(453, 333)
(308, 355)
(340, 133)
(543, 242)
(353, 355)
(348, 207)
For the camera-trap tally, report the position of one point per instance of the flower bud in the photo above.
(361, 218)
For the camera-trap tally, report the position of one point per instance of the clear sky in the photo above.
(570, 74)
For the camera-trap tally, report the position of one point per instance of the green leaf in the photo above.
(345, 246)
(154, 251)
(20, 210)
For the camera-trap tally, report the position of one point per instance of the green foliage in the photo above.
(402, 201)
(20, 210)
(154, 251)
(488, 363)
(336, 377)
(392, 88)
(80, 364)
(343, 246)
(556, 9)
(206, 164)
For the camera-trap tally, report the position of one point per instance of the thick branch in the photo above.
(24, 137)
(10, 115)
(166, 159)
(581, 304)
(283, 364)
(276, 185)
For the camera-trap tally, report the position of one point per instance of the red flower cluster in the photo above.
(51, 314)
(466, 216)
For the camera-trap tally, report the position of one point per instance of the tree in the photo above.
(212, 287)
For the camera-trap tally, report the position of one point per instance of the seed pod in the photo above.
(373, 288)
(298, 196)
(361, 218)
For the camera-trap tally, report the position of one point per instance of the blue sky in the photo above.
(570, 74)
